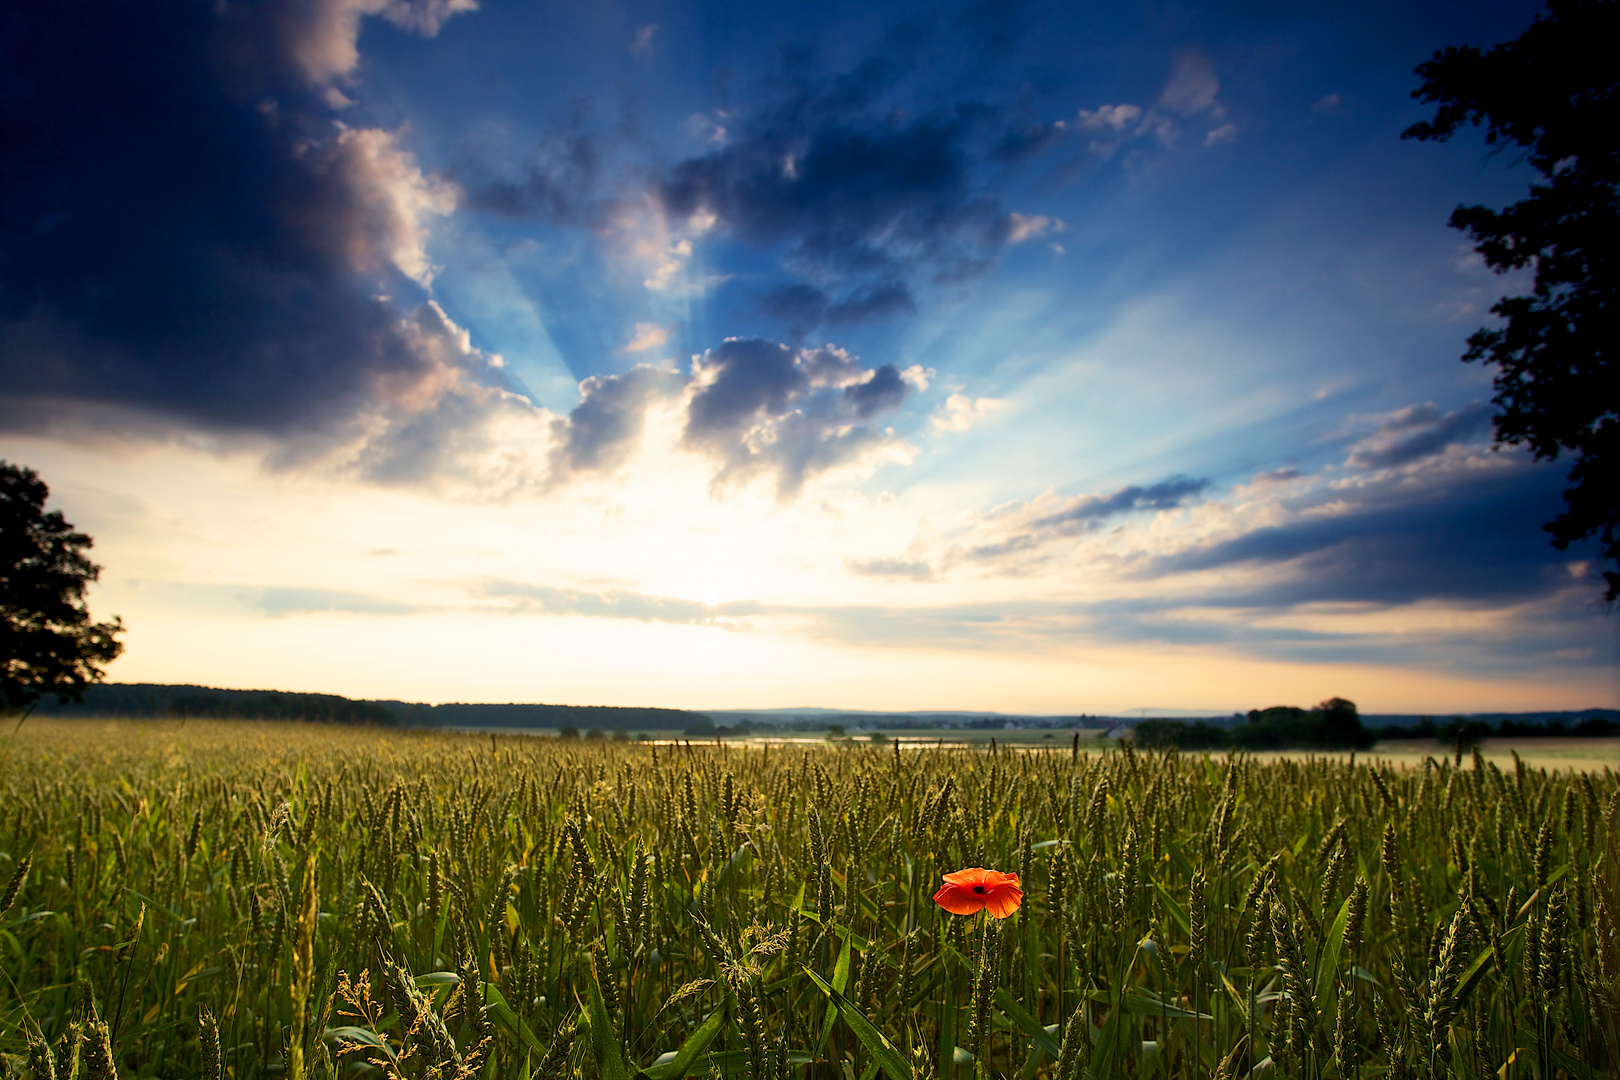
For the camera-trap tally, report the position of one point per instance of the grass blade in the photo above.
(883, 1052)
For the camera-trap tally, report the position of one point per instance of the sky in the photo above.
(1028, 357)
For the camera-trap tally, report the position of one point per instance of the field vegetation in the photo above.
(254, 900)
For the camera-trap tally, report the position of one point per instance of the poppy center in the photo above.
(978, 888)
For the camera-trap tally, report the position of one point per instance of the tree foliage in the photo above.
(47, 641)
(1335, 724)
(1551, 92)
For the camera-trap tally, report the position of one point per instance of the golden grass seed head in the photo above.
(1262, 878)
(18, 876)
(1068, 1061)
(1382, 786)
(1389, 853)
(1196, 915)
(602, 972)
(1335, 873)
(1344, 1036)
(41, 1062)
(1544, 852)
(1552, 945)
(194, 837)
(1356, 917)
(98, 1055)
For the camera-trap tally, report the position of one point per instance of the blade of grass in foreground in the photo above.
(695, 1044)
(881, 1049)
(609, 1062)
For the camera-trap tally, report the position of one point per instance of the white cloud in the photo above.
(647, 336)
(1190, 93)
(1192, 87)
(642, 43)
(1112, 118)
(323, 43)
(961, 412)
(398, 198)
(1029, 227)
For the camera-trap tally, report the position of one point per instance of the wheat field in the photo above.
(259, 900)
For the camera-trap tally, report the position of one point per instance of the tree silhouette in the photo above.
(47, 641)
(1551, 91)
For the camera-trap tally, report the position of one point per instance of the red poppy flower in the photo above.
(975, 888)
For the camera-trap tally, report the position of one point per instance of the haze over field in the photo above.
(1034, 358)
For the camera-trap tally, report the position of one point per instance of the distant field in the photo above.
(231, 900)
(1583, 755)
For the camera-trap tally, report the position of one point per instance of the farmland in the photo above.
(235, 899)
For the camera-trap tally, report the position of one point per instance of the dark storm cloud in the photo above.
(1468, 535)
(753, 407)
(605, 428)
(804, 307)
(761, 406)
(1025, 529)
(185, 230)
(848, 198)
(870, 302)
(1418, 431)
(560, 183)
(865, 196)
(1165, 495)
(883, 392)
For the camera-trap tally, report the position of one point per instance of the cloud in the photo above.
(281, 600)
(961, 412)
(1191, 94)
(754, 408)
(1085, 509)
(909, 569)
(1111, 119)
(1023, 227)
(523, 598)
(191, 235)
(562, 181)
(1192, 86)
(1417, 431)
(647, 336)
(763, 407)
(1018, 532)
(642, 44)
(804, 307)
(1457, 530)
(862, 202)
(270, 43)
(605, 428)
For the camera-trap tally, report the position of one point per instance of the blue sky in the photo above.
(1040, 357)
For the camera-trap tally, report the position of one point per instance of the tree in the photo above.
(47, 640)
(1551, 91)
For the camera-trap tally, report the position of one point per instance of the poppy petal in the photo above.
(959, 901)
(978, 875)
(1004, 901)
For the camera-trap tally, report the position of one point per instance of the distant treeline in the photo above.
(1336, 725)
(584, 717)
(1466, 729)
(161, 701)
(1333, 725)
(166, 702)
